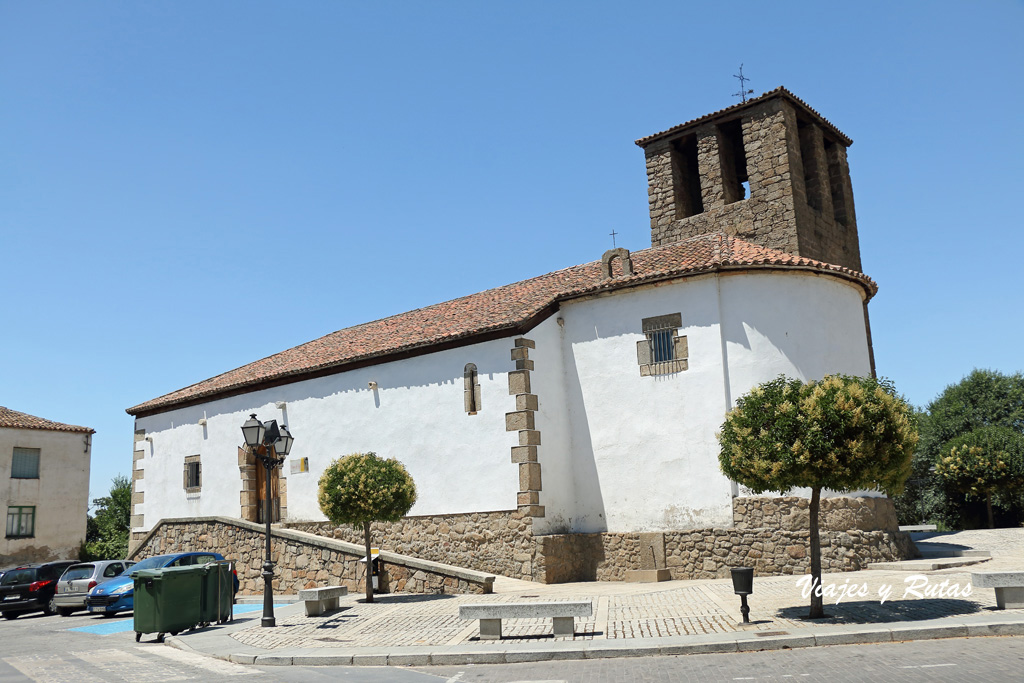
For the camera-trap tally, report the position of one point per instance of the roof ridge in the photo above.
(507, 307)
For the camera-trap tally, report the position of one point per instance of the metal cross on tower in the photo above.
(743, 87)
(613, 234)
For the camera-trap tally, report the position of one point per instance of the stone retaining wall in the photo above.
(770, 534)
(792, 513)
(303, 560)
(425, 554)
(494, 542)
(708, 553)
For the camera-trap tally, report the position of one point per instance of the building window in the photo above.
(193, 478)
(21, 521)
(686, 177)
(25, 464)
(471, 391)
(662, 351)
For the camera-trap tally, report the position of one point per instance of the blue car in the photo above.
(117, 595)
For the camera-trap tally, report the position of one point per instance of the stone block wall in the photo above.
(496, 542)
(303, 560)
(792, 513)
(800, 196)
(770, 534)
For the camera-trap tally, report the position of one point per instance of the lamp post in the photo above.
(271, 444)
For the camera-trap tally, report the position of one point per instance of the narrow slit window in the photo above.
(812, 171)
(686, 178)
(836, 177)
(193, 475)
(471, 392)
(733, 159)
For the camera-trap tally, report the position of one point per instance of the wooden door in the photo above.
(261, 494)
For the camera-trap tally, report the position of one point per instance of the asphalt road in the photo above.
(88, 649)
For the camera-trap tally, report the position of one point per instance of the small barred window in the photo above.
(663, 351)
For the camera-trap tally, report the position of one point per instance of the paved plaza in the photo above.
(631, 618)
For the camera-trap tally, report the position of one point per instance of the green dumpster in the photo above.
(167, 600)
(218, 592)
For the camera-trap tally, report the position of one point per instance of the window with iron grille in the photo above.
(21, 521)
(25, 464)
(193, 474)
(663, 350)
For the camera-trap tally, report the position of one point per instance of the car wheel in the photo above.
(65, 611)
(10, 615)
(49, 609)
(109, 614)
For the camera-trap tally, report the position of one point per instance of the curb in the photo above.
(568, 650)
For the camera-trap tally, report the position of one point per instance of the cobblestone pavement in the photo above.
(676, 608)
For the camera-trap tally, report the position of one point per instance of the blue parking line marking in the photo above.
(107, 627)
(111, 626)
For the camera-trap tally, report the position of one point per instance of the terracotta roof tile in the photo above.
(510, 309)
(12, 419)
(780, 91)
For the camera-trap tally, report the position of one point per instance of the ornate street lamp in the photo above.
(271, 444)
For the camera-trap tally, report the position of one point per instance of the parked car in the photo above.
(118, 594)
(30, 588)
(78, 579)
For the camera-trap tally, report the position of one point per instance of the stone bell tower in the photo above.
(770, 170)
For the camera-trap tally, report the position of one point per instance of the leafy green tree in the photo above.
(840, 433)
(984, 464)
(981, 399)
(362, 488)
(107, 531)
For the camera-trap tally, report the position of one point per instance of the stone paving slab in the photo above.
(676, 617)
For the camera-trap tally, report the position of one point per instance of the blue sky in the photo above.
(186, 187)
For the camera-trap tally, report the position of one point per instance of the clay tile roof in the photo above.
(15, 420)
(500, 312)
(729, 112)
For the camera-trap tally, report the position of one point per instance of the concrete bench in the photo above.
(320, 600)
(490, 615)
(1009, 587)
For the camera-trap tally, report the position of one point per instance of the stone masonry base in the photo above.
(303, 560)
(769, 534)
(496, 542)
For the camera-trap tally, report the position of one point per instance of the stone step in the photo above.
(927, 565)
(941, 550)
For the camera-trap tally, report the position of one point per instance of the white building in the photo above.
(44, 470)
(582, 401)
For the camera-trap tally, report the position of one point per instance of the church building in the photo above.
(563, 427)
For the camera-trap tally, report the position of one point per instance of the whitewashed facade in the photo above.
(619, 451)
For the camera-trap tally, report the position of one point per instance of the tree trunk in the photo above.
(817, 609)
(988, 506)
(369, 563)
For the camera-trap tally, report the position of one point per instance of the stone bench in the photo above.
(320, 600)
(1009, 587)
(562, 615)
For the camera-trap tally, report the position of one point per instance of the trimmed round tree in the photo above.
(840, 433)
(362, 488)
(984, 463)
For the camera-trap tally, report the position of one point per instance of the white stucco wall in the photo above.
(644, 448)
(60, 494)
(619, 452)
(460, 462)
(547, 381)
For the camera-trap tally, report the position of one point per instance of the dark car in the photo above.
(118, 594)
(30, 588)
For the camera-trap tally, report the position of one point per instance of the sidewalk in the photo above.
(675, 617)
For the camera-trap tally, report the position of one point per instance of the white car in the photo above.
(76, 582)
